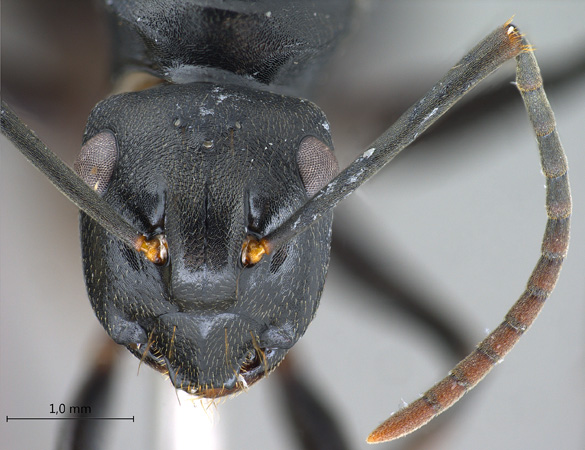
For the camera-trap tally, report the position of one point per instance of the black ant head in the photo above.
(205, 168)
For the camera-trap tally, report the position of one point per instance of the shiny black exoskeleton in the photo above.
(206, 159)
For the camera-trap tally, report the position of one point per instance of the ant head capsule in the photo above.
(213, 314)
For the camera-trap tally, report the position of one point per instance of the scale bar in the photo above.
(70, 418)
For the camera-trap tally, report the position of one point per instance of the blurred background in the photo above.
(458, 217)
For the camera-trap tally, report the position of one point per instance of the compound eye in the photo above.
(96, 161)
(317, 164)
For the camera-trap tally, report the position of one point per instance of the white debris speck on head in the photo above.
(355, 177)
(426, 119)
(331, 187)
(242, 380)
(369, 152)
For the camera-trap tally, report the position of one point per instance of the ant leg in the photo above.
(494, 347)
(314, 422)
(95, 391)
(313, 419)
(396, 293)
